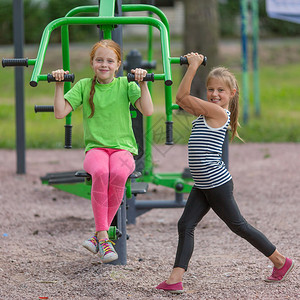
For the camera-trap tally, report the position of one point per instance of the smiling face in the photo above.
(105, 64)
(218, 92)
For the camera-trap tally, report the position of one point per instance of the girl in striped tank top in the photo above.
(213, 188)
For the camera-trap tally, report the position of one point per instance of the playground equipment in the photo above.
(137, 183)
(18, 21)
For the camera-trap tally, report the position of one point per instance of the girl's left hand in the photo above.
(139, 74)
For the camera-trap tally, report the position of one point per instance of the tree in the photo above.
(37, 14)
(201, 35)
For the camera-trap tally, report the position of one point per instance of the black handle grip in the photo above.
(14, 62)
(148, 77)
(43, 108)
(67, 77)
(68, 136)
(184, 61)
(169, 132)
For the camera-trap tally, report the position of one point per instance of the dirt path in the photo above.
(42, 230)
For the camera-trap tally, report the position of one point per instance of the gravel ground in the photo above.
(42, 230)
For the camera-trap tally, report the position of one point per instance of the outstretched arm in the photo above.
(144, 103)
(61, 106)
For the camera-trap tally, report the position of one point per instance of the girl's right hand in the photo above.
(194, 58)
(59, 74)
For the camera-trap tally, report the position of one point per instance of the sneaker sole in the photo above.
(284, 277)
(109, 259)
(172, 291)
(175, 292)
(87, 246)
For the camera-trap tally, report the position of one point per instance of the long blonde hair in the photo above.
(110, 44)
(229, 79)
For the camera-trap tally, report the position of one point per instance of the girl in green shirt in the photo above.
(109, 139)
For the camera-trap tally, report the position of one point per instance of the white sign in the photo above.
(288, 10)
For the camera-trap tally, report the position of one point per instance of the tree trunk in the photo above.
(201, 35)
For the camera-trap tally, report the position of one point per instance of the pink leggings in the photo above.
(109, 169)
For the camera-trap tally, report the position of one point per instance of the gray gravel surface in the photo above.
(42, 229)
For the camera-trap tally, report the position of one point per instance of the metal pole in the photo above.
(106, 9)
(244, 9)
(65, 46)
(117, 33)
(18, 32)
(255, 37)
(121, 243)
(148, 168)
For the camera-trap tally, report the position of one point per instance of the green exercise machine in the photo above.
(109, 16)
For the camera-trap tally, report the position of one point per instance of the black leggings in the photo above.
(221, 200)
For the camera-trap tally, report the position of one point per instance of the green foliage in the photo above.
(6, 22)
(229, 12)
(37, 14)
(58, 8)
(279, 120)
(34, 20)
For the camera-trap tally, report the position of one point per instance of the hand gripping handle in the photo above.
(184, 60)
(67, 77)
(148, 77)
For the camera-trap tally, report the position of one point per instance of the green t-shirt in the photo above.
(111, 125)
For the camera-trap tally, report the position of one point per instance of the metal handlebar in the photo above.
(68, 127)
(43, 108)
(14, 62)
(148, 77)
(67, 77)
(184, 61)
(50, 78)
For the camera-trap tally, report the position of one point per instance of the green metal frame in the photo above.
(107, 21)
(83, 189)
(36, 76)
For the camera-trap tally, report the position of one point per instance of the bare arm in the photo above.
(189, 103)
(61, 106)
(144, 103)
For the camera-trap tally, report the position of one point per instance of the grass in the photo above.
(279, 119)
(278, 122)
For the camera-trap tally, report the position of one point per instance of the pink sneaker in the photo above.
(175, 288)
(279, 275)
(106, 251)
(92, 244)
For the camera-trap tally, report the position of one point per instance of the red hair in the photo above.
(110, 44)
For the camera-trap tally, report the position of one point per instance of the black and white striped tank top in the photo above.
(205, 154)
